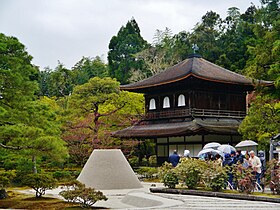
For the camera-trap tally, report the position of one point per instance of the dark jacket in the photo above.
(228, 160)
(174, 159)
(239, 158)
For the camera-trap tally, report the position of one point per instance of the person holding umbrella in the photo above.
(229, 162)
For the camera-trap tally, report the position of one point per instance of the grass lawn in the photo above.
(18, 200)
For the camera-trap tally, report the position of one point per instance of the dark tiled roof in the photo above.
(194, 66)
(192, 127)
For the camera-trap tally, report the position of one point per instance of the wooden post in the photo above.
(139, 151)
(167, 147)
(203, 141)
(156, 149)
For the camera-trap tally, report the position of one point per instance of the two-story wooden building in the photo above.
(189, 105)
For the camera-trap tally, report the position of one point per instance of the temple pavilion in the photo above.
(189, 105)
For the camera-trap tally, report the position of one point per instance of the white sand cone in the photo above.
(108, 169)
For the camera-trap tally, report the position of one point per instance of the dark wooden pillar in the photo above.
(190, 99)
(156, 148)
(202, 141)
(159, 104)
(167, 146)
(139, 155)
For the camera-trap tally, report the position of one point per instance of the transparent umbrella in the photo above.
(246, 143)
(210, 151)
(226, 148)
(213, 145)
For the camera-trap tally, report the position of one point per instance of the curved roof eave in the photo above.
(198, 68)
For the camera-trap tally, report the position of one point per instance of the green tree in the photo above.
(264, 59)
(87, 68)
(122, 51)
(262, 121)
(98, 108)
(165, 51)
(77, 192)
(40, 183)
(206, 34)
(28, 126)
(36, 135)
(61, 82)
(238, 33)
(17, 79)
(44, 82)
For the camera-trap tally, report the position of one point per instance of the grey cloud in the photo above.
(66, 30)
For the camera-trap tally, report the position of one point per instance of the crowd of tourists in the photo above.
(247, 159)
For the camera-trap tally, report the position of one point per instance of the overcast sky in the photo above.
(66, 30)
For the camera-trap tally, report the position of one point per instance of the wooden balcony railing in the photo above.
(193, 112)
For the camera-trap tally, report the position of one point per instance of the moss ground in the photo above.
(18, 200)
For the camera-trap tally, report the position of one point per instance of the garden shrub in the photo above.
(147, 172)
(274, 180)
(133, 161)
(170, 179)
(153, 160)
(144, 162)
(215, 176)
(243, 178)
(75, 173)
(40, 183)
(76, 192)
(168, 175)
(166, 167)
(190, 171)
(62, 175)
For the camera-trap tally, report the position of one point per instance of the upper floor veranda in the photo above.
(195, 104)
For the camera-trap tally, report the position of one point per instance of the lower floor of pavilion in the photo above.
(181, 134)
(165, 146)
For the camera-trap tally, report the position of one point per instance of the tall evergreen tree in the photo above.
(238, 33)
(122, 50)
(27, 126)
(206, 35)
(264, 51)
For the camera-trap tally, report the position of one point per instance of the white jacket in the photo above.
(256, 163)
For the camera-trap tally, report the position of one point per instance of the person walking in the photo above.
(174, 158)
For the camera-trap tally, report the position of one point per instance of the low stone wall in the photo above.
(215, 194)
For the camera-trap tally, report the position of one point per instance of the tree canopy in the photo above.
(122, 50)
(28, 126)
(97, 108)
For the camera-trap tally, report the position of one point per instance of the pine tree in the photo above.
(122, 50)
